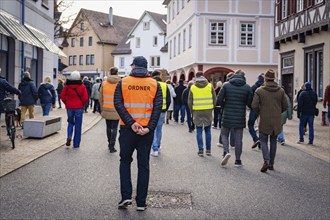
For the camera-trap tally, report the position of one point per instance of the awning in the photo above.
(45, 40)
(18, 31)
(3, 31)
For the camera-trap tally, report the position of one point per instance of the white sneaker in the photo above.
(219, 145)
(225, 159)
(155, 153)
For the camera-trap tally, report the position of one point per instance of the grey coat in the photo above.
(201, 117)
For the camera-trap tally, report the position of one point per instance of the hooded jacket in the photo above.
(46, 93)
(178, 91)
(109, 113)
(29, 94)
(5, 86)
(269, 102)
(307, 103)
(201, 117)
(138, 72)
(234, 96)
(69, 95)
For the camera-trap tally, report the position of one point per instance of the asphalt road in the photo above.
(84, 183)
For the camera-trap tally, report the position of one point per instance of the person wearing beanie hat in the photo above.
(253, 115)
(178, 104)
(166, 103)
(269, 102)
(138, 99)
(74, 96)
(306, 112)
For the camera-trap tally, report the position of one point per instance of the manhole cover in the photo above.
(169, 200)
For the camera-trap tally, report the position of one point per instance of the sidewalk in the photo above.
(29, 149)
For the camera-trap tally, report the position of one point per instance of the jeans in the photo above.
(328, 113)
(217, 117)
(96, 106)
(87, 103)
(177, 108)
(252, 119)
(46, 108)
(158, 132)
(199, 137)
(59, 100)
(303, 120)
(112, 126)
(190, 122)
(129, 141)
(75, 117)
(268, 153)
(238, 137)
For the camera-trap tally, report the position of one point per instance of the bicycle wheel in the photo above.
(12, 136)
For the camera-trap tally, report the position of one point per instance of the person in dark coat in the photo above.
(185, 94)
(89, 87)
(59, 89)
(28, 97)
(306, 112)
(6, 87)
(47, 96)
(178, 105)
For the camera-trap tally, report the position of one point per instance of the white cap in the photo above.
(75, 75)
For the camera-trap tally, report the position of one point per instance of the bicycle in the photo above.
(9, 106)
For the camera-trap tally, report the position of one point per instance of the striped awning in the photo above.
(3, 31)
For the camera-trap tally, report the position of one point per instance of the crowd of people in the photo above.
(141, 117)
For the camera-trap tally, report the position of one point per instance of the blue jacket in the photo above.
(307, 103)
(29, 91)
(46, 93)
(5, 86)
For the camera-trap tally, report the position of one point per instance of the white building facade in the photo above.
(218, 37)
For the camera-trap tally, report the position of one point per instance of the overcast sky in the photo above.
(125, 8)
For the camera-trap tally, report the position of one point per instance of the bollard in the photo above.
(324, 121)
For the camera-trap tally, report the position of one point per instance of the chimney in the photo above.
(110, 16)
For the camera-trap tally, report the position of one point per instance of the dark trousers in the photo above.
(177, 108)
(190, 122)
(129, 141)
(217, 117)
(96, 106)
(112, 126)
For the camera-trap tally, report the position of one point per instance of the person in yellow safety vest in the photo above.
(201, 101)
(108, 110)
(138, 101)
(166, 103)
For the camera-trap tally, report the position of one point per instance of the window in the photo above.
(122, 62)
(314, 68)
(174, 47)
(217, 33)
(81, 41)
(300, 5)
(82, 26)
(184, 40)
(155, 41)
(170, 46)
(190, 36)
(284, 8)
(90, 41)
(288, 62)
(92, 59)
(247, 34)
(155, 61)
(70, 60)
(137, 43)
(73, 42)
(179, 45)
(74, 60)
(3, 55)
(81, 59)
(88, 60)
(146, 25)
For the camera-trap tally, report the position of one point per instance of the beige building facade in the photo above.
(218, 37)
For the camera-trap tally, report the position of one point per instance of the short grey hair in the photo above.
(27, 74)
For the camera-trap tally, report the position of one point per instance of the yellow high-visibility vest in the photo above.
(202, 97)
(164, 89)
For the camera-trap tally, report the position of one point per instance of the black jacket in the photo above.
(179, 90)
(307, 103)
(5, 86)
(29, 91)
(123, 113)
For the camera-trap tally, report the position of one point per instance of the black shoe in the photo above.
(264, 167)
(255, 144)
(208, 152)
(68, 142)
(113, 150)
(271, 167)
(200, 153)
(124, 203)
(238, 163)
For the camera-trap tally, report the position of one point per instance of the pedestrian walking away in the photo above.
(326, 100)
(171, 107)
(286, 115)
(185, 94)
(47, 96)
(95, 95)
(201, 101)
(306, 112)
(138, 101)
(156, 143)
(234, 96)
(74, 96)
(59, 89)
(178, 105)
(88, 86)
(108, 110)
(269, 102)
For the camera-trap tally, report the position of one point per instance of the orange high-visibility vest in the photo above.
(138, 96)
(108, 90)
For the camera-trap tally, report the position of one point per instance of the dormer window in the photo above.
(146, 25)
(82, 26)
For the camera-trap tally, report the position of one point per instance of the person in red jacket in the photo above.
(326, 100)
(74, 96)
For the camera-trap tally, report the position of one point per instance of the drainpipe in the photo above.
(22, 43)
